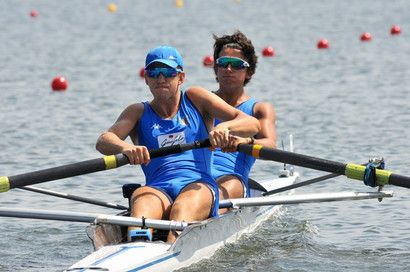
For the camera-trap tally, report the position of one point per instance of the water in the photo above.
(348, 103)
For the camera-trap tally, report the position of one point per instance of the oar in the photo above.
(92, 218)
(89, 166)
(350, 170)
(303, 198)
(74, 197)
(300, 184)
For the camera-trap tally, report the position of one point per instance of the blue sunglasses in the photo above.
(167, 72)
(236, 63)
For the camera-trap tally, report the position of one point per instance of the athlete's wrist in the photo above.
(251, 140)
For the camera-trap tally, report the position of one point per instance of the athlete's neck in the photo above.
(233, 97)
(166, 109)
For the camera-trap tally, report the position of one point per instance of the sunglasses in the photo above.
(167, 72)
(236, 63)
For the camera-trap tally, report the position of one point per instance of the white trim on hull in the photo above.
(196, 242)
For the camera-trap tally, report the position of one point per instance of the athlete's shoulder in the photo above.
(134, 110)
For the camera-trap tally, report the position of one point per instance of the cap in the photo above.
(165, 54)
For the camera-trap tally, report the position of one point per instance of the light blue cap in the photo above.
(165, 54)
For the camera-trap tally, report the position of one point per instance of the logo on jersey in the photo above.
(171, 139)
(156, 126)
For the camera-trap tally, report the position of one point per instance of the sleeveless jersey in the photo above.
(235, 163)
(173, 172)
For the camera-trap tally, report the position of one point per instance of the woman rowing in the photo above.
(234, 66)
(178, 187)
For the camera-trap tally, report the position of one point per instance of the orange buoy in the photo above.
(33, 13)
(59, 83)
(395, 30)
(142, 72)
(366, 37)
(208, 61)
(268, 51)
(323, 44)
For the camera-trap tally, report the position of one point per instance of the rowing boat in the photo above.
(200, 240)
(197, 241)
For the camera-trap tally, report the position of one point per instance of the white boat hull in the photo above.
(196, 242)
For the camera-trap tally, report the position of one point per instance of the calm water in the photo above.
(348, 103)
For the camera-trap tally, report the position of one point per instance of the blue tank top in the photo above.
(235, 163)
(173, 172)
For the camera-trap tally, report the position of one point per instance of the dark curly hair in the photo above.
(237, 40)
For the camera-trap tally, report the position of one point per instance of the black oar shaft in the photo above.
(399, 180)
(353, 171)
(293, 158)
(300, 184)
(89, 166)
(69, 170)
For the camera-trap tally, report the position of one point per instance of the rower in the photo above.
(235, 64)
(180, 186)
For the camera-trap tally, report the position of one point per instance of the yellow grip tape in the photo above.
(110, 162)
(356, 171)
(256, 150)
(4, 184)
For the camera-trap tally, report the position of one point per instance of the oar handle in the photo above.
(163, 151)
(89, 166)
(353, 171)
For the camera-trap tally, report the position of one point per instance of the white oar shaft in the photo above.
(92, 218)
(303, 198)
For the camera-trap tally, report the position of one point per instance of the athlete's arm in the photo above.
(235, 122)
(113, 141)
(265, 113)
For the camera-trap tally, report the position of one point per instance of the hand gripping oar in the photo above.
(89, 166)
(350, 170)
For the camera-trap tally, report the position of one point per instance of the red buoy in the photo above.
(395, 30)
(59, 83)
(33, 13)
(142, 72)
(366, 37)
(323, 44)
(208, 61)
(268, 51)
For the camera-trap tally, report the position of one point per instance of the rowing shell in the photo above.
(196, 242)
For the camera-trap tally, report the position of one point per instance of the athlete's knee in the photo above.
(230, 187)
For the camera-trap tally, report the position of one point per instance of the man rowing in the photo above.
(234, 66)
(178, 187)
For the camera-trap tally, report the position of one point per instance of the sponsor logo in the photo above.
(171, 139)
